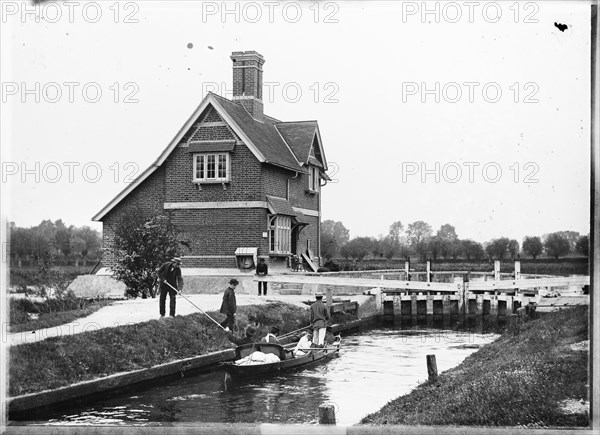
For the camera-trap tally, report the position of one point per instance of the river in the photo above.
(373, 367)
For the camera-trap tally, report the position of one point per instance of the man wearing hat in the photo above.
(169, 272)
(319, 316)
(229, 305)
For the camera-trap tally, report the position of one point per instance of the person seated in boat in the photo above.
(249, 336)
(329, 337)
(271, 337)
(304, 344)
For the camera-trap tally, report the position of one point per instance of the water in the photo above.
(373, 368)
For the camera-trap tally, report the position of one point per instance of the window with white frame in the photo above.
(214, 167)
(280, 234)
(313, 178)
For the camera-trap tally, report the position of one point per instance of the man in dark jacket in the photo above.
(261, 270)
(319, 316)
(248, 337)
(169, 272)
(229, 305)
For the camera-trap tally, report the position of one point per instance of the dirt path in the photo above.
(142, 310)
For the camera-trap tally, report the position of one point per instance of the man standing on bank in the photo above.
(262, 270)
(229, 305)
(169, 272)
(319, 316)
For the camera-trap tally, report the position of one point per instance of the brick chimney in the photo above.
(247, 81)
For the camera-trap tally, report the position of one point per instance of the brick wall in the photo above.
(147, 198)
(245, 170)
(221, 231)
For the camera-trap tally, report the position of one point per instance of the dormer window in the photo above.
(211, 168)
(313, 179)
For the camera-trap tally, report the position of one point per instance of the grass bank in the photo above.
(50, 312)
(61, 361)
(518, 380)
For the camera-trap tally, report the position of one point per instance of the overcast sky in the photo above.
(490, 99)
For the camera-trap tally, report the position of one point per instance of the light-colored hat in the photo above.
(318, 295)
(177, 259)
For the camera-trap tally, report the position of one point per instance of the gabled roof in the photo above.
(262, 138)
(263, 135)
(300, 136)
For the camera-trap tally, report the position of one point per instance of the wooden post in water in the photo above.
(432, 368)
(407, 270)
(326, 414)
(329, 292)
(461, 301)
(514, 323)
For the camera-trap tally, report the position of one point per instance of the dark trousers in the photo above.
(163, 298)
(228, 322)
(264, 287)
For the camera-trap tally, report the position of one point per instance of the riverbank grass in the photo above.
(519, 380)
(65, 360)
(30, 315)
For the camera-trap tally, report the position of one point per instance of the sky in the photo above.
(473, 114)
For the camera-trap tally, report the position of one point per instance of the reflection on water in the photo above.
(373, 368)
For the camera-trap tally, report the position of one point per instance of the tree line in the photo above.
(54, 241)
(418, 239)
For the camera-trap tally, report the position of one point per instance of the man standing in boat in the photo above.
(319, 317)
(229, 305)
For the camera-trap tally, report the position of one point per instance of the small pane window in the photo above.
(280, 234)
(210, 168)
(222, 165)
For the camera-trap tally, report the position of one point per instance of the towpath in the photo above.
(143, 310)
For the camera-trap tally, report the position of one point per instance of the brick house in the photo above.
(237, 184)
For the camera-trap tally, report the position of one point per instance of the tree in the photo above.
(418, 234)
(532, 246)
(557, 245)
(434, 246)
(513, 249)
(389, 248)
(583, 245)
(336, 230)
(140, 247)
(91, 241)
(571, 236)
(62, 237)
(358, 248)
(396, 231)
(329, 246)
(496, 249)
(447, 240)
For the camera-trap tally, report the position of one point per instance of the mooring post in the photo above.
(329, 295)
(428, 270)
(432, 368)
(407, 269)
(497, 270)
(461, 301)
(326, 414)
(517, 269)
(514, 323)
